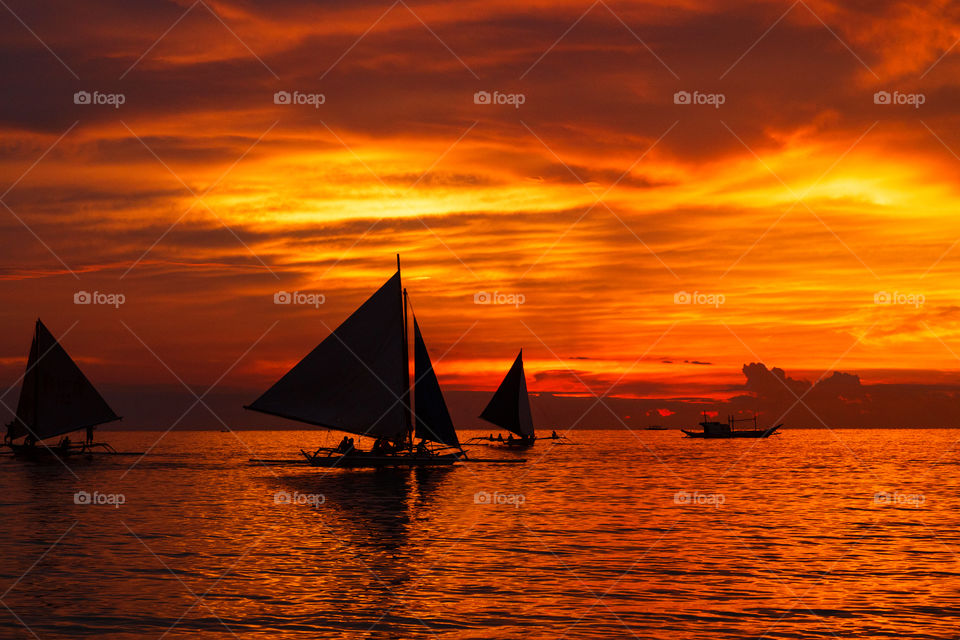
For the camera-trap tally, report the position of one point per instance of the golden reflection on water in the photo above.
(810, 534)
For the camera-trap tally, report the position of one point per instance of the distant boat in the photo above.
(357, 380)
(509, 408)
(56, 399)
(656, 427)
(712, 429)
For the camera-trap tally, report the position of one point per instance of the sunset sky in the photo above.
(790, 210)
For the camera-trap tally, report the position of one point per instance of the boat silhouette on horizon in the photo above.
(56, 399)
(509, 408)
(728, 429)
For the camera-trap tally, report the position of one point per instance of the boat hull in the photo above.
(746, 433)
(367, 460)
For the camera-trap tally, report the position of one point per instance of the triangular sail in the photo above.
(433, 420)
(354, 380)
(56, 397)
(509, 408)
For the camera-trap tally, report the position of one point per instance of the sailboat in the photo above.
(357, 380)
(509, 408)
(56, 399)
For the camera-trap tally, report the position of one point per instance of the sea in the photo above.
(616, 534)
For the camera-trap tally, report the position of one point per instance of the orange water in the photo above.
(812, 534)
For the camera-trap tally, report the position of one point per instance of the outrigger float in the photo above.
(713, 429)
(357, 380)
(56, 399)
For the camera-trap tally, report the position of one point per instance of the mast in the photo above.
(407, 409)
(36, 381)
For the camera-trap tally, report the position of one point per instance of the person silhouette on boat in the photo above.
(509, 437)
(500, 437)
(89, 439)
(8, 436)
(554, 435)
(422, 448)
(346, 445)
(490, 437)
(381, 447)
(65, 443)
(30, 440)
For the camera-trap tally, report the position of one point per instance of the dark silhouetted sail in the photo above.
(354, 380)
(432, 418)
(509, 407)
(56, 397)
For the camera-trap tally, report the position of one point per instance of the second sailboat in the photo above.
(358, 381)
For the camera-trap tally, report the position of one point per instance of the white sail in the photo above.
(56, 397)
(509, 408)
(356, 379)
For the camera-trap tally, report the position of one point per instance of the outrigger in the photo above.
(56, 399)
(357, 380)
(714, 429)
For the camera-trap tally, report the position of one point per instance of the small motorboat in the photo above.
(714, 429)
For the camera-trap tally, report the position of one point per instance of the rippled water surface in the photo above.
(812, 534)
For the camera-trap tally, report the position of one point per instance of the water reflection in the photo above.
(602, 546)
(370, 507)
